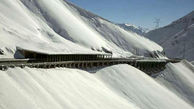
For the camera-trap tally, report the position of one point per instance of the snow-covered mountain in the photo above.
(177, 38)
(139, 30)
(59, 26)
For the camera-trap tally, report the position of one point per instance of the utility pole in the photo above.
(184, 50)
(157, 22)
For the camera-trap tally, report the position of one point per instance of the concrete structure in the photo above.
(148, 66)
(40, 56)
(82, 61)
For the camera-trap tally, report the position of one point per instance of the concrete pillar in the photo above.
(46, 66)
(4, 68)
(61, 65)
(102, 63)
(31, 65)
(64, 65)
(72, 64)
(141, 66)
(92, 65)
(67, 65)
(131, 63)
(151, 65)
(89, 65)
(98, 64)
(1, 67)
(54, 65)
(22, 65)
(81, 65)
(40, 66)
(12, 66)
(43, 66)
(84, 65)
(77, 65)
(58, 65)
(163, 65)
(138, 65)
(135, 64)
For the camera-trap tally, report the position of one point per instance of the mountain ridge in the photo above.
(136, 29)
(176, 38)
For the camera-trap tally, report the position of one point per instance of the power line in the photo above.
(157, 22)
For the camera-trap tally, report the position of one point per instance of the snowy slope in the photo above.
(56, 26)
(139, 30)
(29, 31)
(140, 89)
(179, 79)
(116, 87)
(177, 38)
(56, 89)
(59, 26)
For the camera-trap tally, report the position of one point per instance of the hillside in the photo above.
(115, 87)
(57, 26)
(60, 26)
(176, 38)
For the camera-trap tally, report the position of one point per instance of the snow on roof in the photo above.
(61, 53)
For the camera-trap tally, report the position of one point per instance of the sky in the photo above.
(138, 12)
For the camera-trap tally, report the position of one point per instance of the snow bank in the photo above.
(179, 79)
(115, 87)
(56, 89)
(139, 88)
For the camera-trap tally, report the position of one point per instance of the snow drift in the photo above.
(179, 79)
(139, 88)
(56, 89)
(120, 86)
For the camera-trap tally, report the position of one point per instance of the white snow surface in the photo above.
(56, 89)
(61, 27)
(115, 87)
(176, 38)
(178, 78)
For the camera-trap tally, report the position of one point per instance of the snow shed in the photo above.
(61, 57)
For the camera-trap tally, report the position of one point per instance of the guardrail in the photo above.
(147, 65)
